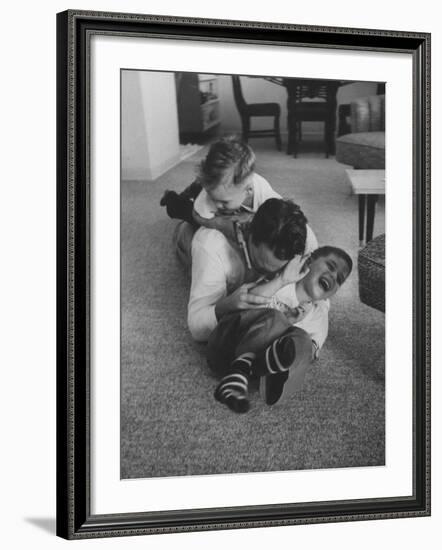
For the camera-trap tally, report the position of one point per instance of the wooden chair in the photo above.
(310, 100)
(249, 110)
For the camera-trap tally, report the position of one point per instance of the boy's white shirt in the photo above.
(218, 269)
(314, 322)
(262, 190)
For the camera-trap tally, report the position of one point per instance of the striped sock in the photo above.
(276, 358)
(233, 390)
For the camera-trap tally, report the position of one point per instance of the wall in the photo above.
(150, 142)
(258, 90)
(27, 405)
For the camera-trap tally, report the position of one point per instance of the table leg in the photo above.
(295, 142)
(291, 121)
(296, 129)
(361, 218)
(371, 209)
(330, 122)
(290, 125)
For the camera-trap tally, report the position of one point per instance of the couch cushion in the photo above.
(362, 149)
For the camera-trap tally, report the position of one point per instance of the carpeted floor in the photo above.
(170, 423)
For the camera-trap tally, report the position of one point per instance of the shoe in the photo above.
(177, 207)
(271, 387)
(239, 404)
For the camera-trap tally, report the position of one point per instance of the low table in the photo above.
(368, 185)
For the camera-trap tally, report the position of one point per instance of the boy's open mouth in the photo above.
(325, 283)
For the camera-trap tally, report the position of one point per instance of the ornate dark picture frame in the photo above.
(74, 31)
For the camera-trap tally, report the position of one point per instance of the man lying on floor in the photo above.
(271, 330)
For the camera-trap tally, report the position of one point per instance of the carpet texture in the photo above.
(170, 422)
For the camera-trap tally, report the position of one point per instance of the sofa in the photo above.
(364, 146)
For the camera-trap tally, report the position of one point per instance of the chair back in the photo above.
(311, 91)
(368, 114)
(237, 94)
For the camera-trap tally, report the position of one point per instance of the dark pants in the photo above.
(253, 330)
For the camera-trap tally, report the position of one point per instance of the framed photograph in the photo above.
(243, 274)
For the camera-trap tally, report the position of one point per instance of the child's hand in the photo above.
(226, 225)
(223, 223)
(235, 216)
(297, 314)
(295, 270)
(204, 222)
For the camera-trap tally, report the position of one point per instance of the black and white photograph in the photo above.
(252, 273)
(222, 257)
(243, 305)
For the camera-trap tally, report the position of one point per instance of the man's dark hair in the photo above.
(327, 250)
(229, 155)
(281, 225)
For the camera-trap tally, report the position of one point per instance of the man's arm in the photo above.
(209, 284)
(208, 294)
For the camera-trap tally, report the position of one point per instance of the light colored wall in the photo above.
(150, 142)
(258, 90)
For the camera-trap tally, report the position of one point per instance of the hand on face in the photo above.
(295, 270)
